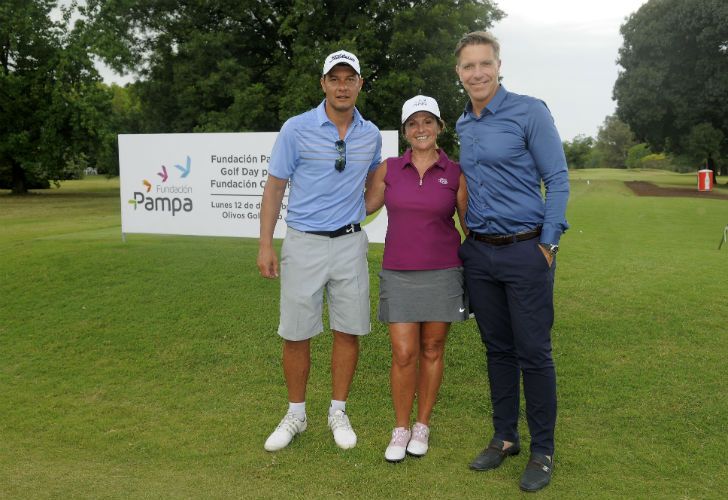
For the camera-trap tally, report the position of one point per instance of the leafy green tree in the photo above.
(221, 65)
(703, 141)
(125, 117)
(51, 100)
(614, 140)
(578, 150)
(675, 74)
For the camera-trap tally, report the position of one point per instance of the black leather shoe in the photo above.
(493, 455)
(538, 472)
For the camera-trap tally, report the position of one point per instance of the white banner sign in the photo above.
(205, 184)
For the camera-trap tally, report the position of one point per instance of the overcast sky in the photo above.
(564, 52)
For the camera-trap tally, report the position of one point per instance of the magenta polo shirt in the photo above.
(421, 233)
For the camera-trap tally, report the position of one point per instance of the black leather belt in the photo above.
(348, 229)
(505, 239)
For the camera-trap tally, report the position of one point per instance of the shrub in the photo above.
(636, 153)
(661, 161)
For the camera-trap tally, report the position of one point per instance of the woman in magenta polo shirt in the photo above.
(421, 282)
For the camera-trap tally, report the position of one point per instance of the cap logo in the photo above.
(341, 56)
(420, 103)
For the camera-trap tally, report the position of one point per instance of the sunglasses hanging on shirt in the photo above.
(340, 162)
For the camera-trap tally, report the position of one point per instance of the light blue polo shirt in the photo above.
(321, 198)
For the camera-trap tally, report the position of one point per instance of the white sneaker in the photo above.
(343, 433)
(418, 445)
(395, 452)
(284, 433)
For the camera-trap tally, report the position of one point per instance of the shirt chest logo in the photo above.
(442, 181)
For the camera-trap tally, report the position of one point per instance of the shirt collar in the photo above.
(492, 106)
(322, 117)
(441, 161)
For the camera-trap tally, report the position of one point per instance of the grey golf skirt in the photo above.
(417, 296)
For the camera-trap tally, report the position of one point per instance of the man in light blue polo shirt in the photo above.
(326, 155)
(509, 145)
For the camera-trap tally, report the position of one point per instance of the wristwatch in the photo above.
(550, 248)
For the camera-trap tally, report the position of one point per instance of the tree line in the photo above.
(617, 146)
(207, 66)
(247, 65)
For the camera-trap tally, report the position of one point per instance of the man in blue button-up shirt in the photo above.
(509, 146)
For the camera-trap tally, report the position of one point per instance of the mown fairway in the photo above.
(151, 368)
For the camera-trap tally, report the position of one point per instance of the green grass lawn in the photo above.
(151, 368)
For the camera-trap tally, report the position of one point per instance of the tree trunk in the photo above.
(19, 182)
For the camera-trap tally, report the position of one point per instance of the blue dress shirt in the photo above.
(505, 154)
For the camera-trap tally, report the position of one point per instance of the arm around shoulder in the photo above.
(462, 204)
(374, 195)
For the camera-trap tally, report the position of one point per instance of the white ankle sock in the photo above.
(298, 409)
(337, 405)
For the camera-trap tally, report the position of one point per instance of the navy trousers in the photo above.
(511, 290)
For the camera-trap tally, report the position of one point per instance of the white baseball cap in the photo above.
(420, 103)
(341, 57)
